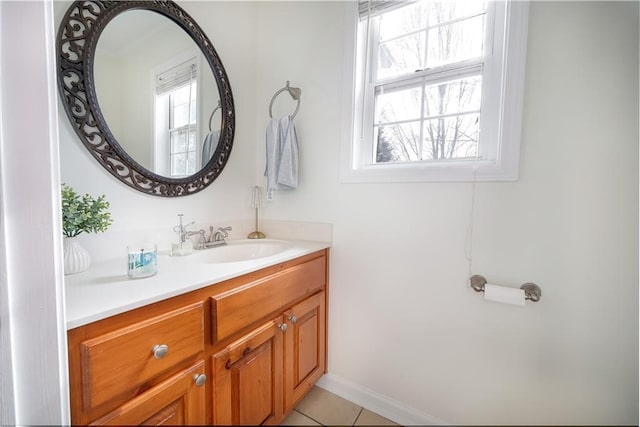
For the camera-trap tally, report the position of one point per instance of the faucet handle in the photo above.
(182, 228)
(200, 244)
(222, 233)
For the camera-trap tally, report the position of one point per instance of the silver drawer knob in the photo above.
(293, 319)
(282, 326)
(199, 379)
(160, 351)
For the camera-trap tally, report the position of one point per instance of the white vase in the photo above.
(76, 258)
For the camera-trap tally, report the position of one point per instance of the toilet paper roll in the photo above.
(504, 294)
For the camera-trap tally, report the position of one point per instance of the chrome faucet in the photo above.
(214, 239)
(182, 229)
(201, 241)
(221, 234)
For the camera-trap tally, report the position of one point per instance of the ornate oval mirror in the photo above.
(146, 93)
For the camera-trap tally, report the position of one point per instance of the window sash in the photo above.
(192, 106)
(365, 154)
(368, 143)
(374, 41)
(189, 151)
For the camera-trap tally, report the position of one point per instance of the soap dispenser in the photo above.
(184, 245)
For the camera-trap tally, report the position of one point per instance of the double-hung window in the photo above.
(182, 129)
(437, 90)
(176, 120)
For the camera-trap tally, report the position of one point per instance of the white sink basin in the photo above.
(242, 250)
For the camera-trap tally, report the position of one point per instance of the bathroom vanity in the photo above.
(242, 349)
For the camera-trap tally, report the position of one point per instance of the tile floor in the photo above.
(321, 407)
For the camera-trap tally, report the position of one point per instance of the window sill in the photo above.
(462, 171)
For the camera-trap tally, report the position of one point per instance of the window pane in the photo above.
(181, 95)
(183, 164)
(441, 12)
(178, 141)
(179, 115)
(404, 20)
(453, 97)
(397, 143)
(191, 163)
(456, 42)
(192, 139)
(178, 164)
(398, 105)
(180, 101)
(451, 137)
(401, 56)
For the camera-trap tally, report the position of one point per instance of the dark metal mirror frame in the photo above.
(77, 39)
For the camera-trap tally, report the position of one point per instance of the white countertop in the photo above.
(105, 289)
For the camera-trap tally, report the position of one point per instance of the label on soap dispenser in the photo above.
(143, 260)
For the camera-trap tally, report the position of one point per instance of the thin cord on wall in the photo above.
(469, 240)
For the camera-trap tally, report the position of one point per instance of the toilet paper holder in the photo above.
(532, 292)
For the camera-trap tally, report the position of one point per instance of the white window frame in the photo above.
(501, 115)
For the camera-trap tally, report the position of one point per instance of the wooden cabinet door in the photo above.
(247, 383)
(305, 340)
(179, 400)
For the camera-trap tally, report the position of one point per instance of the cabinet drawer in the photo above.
(242, 306)
(123, 359)
(176, 401)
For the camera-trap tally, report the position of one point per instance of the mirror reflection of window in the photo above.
(182, 130)
(176, 110)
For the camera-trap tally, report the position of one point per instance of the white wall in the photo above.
(403, 321)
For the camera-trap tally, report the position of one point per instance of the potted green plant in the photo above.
(81, 214)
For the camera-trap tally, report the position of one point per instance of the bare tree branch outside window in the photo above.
(425, 120)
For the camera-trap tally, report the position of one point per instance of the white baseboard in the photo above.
(376, 402)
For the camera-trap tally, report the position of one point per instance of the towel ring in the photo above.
(213, 112)
(295, 93)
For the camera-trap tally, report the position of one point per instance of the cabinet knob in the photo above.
(160, 351)
(293, 319)
(199, 379)
(282, 326)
